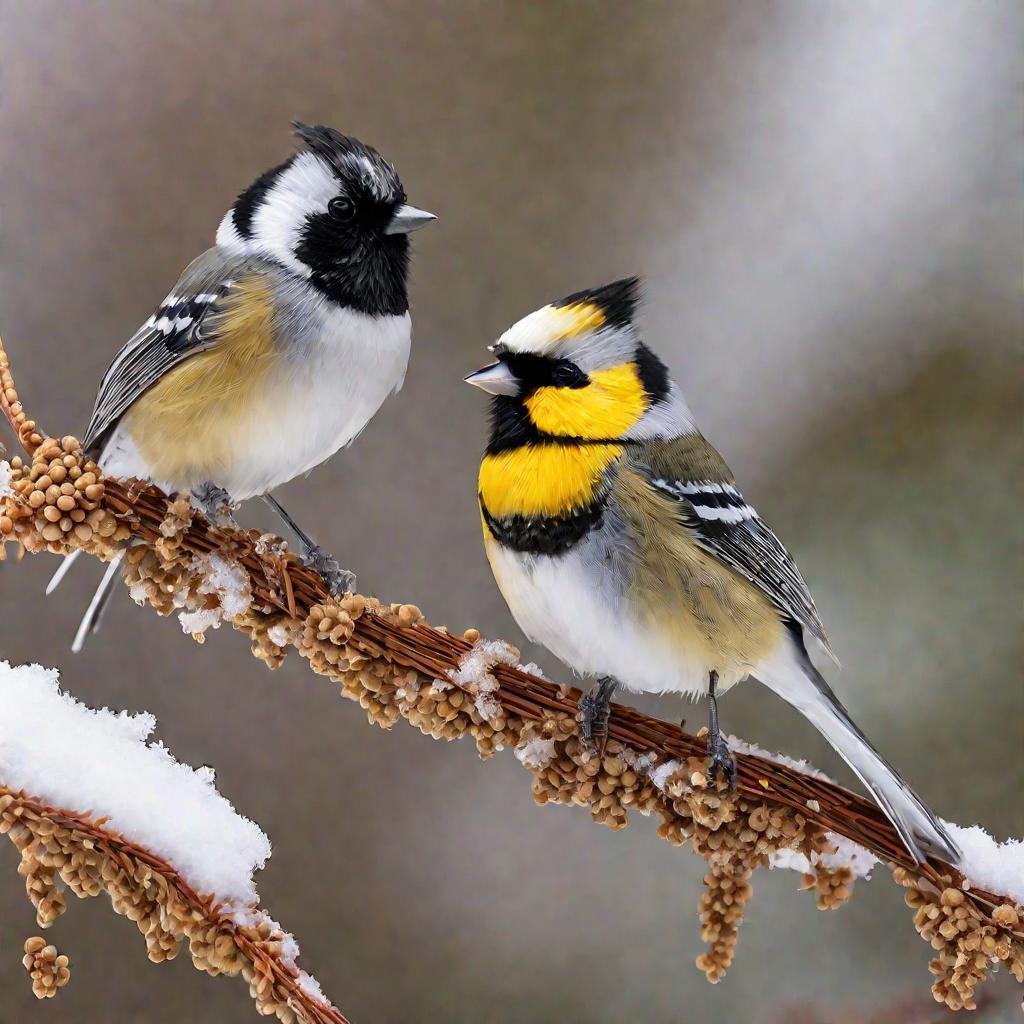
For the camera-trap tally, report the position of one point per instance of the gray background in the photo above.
(824, 198)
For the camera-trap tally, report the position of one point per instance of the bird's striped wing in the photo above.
(172, 334)
(726, 526)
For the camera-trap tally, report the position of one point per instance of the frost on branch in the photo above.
(170, 852)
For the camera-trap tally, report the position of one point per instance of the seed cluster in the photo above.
(967, 942)
(60, 506)
(47, 968)
(387, 691)
(56, 854)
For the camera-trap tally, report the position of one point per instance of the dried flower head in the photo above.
(47, 968)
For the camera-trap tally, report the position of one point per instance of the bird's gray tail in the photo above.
(801, 685)
(62, 570)
(93, 616)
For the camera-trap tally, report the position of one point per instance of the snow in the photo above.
(474, 673)
(661, 773)
(531, 668)
(738, 746)
(227, 580)
(848, 855)
(6, 491)
(536, 753)
(988, 864)
(248, 917)
(200, 621)
(279, 634)
(61, 751)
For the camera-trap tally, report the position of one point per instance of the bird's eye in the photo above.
(566, 374)
(341, 208)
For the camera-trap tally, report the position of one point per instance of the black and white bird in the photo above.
(274, 349)
(621, 542)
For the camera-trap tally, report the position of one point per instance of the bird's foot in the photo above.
(594, 708)
(215, 503)
(720, 759)
(339, 581)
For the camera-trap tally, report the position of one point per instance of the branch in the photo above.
(397, 666)
(90, 858)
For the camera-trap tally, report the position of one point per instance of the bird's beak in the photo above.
(496, 379)
(406, 219)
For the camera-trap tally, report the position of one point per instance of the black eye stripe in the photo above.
(540, 371)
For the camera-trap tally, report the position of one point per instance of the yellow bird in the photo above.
(621, 542)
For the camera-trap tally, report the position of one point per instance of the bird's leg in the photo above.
(593, 714)
(718, 750)
(340, 581)
(215, 503)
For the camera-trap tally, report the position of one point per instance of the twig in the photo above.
(91, 858)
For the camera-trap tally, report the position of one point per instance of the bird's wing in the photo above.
(693, 476)
(172, 334)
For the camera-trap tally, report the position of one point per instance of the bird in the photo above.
(275, 347)
(620, 541)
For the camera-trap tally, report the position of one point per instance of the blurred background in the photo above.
(825, 202)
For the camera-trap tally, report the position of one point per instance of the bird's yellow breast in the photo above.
(544, 479)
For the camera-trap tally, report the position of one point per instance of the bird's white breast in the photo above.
(332, 370)
(584, 618)
(336, 369)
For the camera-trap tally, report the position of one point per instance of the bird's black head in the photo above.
(335, 212)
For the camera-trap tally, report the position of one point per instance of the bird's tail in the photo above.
(799, 683)
(62, 570)
(97, 606)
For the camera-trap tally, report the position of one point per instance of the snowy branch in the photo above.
(170, 852)
(397, 666)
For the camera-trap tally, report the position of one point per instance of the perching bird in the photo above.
(621, 542)
(274, 349)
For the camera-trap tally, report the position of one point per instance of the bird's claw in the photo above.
(593, 723)
(720, 759)
(215, 503)
(339, 581)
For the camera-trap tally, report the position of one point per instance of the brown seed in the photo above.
(52, 513)
(83, 531)
(69, 443)
(51, 532)
(36, 498)
(65, 503)
(58, 474)
(952, 897)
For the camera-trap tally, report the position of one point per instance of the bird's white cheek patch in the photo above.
(304, 189)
